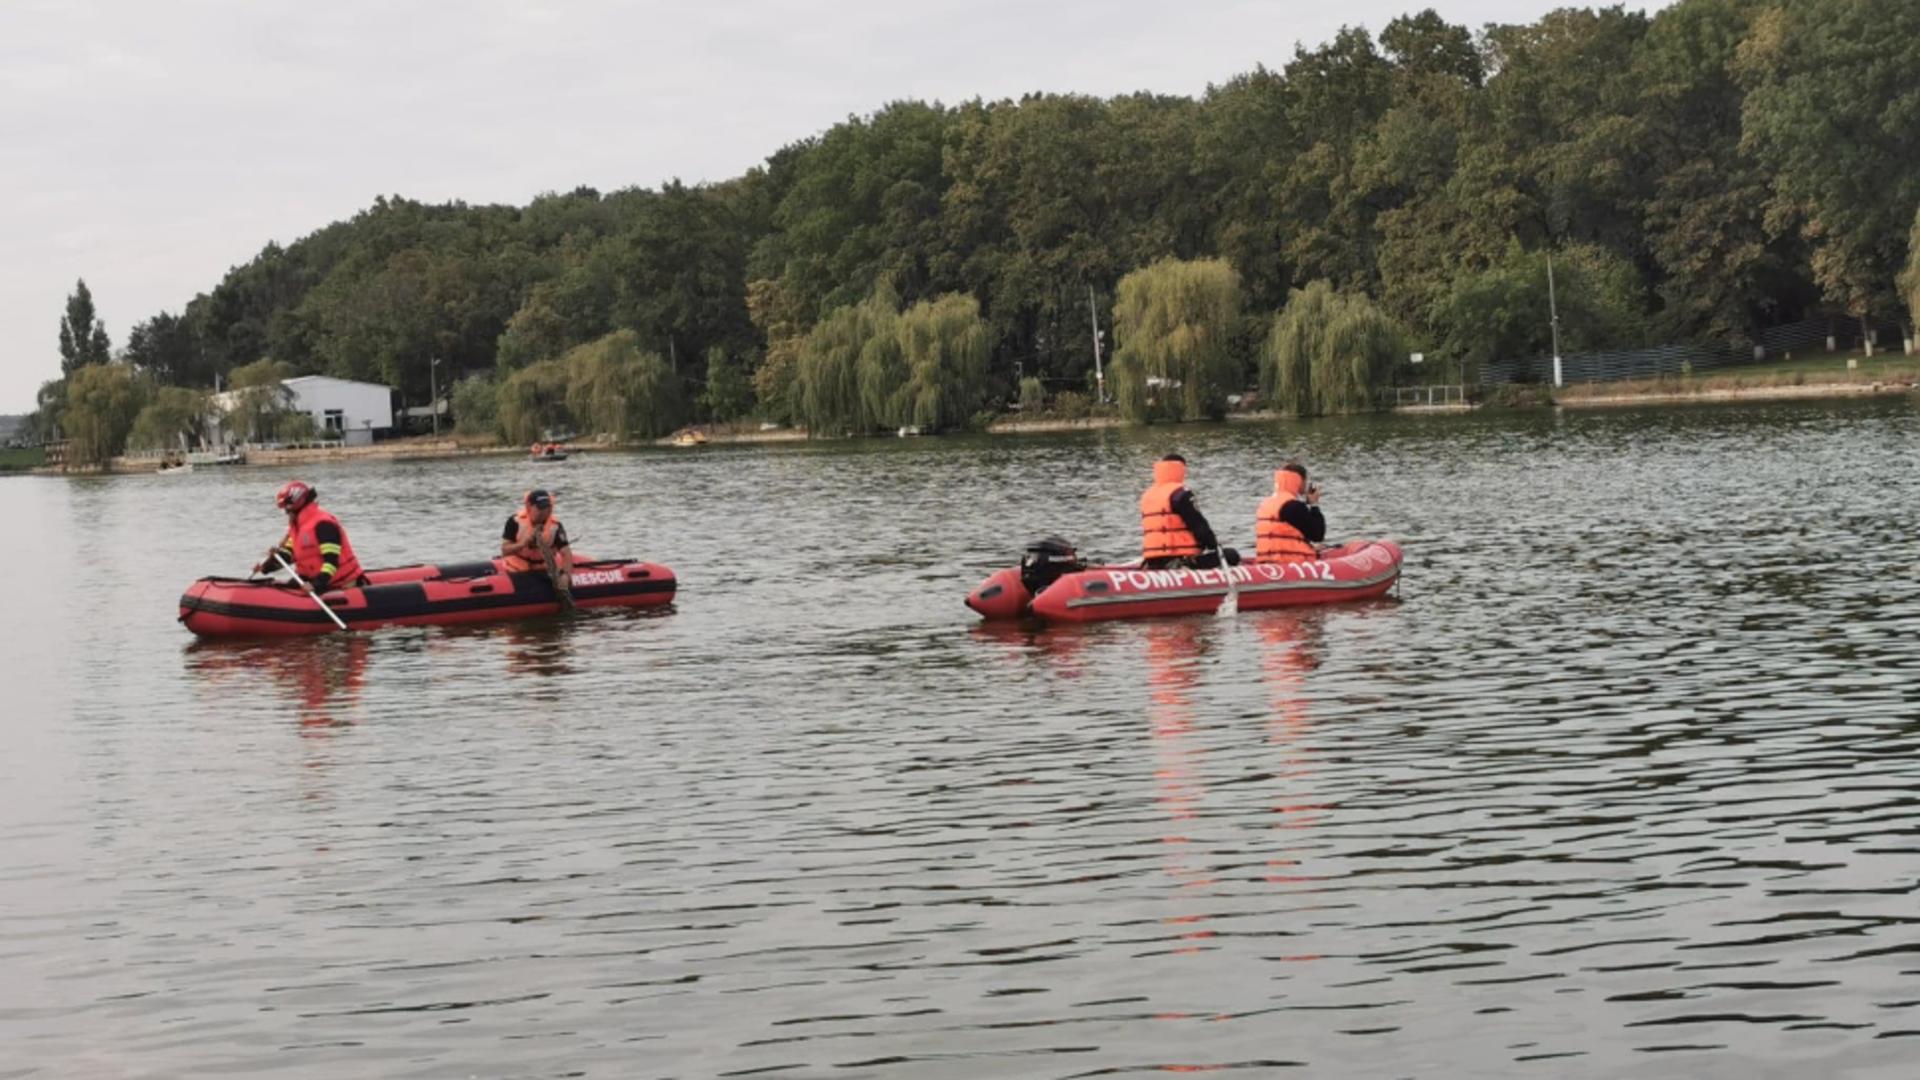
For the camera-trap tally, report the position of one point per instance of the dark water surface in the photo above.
(1625, 783)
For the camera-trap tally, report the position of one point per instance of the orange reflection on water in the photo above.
(1175, 652)
(319, 678)
(1292, 644)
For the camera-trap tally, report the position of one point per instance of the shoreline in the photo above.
(1709, 396)
(427, 449)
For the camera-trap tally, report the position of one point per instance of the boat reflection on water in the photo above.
(321, 678)
(1063, 646)
(1176, 650)
(1293, 646)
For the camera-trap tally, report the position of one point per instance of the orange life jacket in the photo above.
(1274, 539)
(1163, 534)
(531, 559)
(310, 556)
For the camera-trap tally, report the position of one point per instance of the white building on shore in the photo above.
(342, 409)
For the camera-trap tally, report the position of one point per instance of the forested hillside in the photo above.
(1708, 171)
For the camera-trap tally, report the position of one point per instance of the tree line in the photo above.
(1705, 172)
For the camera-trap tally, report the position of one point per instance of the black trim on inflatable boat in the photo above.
(408, 599)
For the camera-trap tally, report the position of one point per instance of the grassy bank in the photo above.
(1816, 376)
(22, 460)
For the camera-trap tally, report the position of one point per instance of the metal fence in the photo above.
(1611, 365)
(1436, 396)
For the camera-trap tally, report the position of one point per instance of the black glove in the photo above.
(321, 582)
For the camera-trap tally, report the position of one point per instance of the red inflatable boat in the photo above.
(417, 596)
(1051, 584)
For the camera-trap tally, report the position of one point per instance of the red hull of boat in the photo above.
(417, 596)
(1361, 570)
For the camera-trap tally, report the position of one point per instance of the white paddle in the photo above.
(302, 582)
(1230, 603)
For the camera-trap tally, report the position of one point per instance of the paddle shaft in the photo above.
(302, 582)
(560, 590)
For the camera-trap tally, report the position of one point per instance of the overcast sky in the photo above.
(149, 146)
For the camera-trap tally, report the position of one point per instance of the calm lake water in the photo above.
(1626, 782)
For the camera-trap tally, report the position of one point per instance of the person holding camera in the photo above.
(1289, 523)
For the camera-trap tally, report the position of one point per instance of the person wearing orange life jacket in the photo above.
(520, 541)
(1173, 530)
(1288, 523)
(316, 544)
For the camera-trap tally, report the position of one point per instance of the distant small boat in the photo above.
(216, 457)
(174, 470)
(907, 432)
(690, 438)
(550, 455)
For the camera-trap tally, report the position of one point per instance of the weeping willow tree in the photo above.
(881, 367)
(615, 388)
(1329, 353)
(103, 401)
(175, 417)
(260, 406)
(533, 401)
(826, 381)
(945, 343)
(1173, 320)
(848, 372)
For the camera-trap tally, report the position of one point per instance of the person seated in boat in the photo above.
(1288, 523)
(526, 531)
(316, 544)
(1174, 531)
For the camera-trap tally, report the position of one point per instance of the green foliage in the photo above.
(1910, 278)
(1033, 396)
(868, 366)
(261, 407)
(608, 386)
(165, 350)
(1502, 313)
(533, 402)
(1329, 353)
(1173, 321)
(1832, 116)
(945, 345)
(826, 387)
(880, 363)
(729, 392)
(614, 388)
(83, 337)
(1714, 168)
(174, 418)
(50, 403)
(781, 319)
(102, 402)
(476, 406)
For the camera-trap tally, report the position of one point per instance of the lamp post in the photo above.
(1553, 314)
(1099, 373)
(433, 382)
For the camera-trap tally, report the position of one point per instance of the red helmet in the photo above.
(294, 495)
